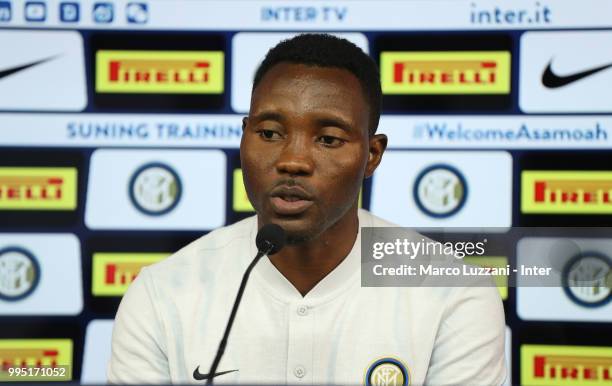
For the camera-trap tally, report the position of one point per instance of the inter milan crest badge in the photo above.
(387, 372)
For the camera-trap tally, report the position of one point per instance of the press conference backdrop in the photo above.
(120, 123)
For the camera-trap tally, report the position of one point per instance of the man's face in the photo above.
(305, 148)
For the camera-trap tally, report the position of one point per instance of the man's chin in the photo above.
(298, 238)
(297, 230)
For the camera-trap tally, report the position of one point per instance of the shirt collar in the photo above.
(345, 275)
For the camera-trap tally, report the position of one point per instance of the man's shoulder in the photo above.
(369, 220)
(211, 248)
(436, 256)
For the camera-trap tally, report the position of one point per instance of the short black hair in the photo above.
(324, 50)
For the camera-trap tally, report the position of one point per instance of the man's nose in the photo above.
(296, 157)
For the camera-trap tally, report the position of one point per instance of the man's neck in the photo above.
(305, 265)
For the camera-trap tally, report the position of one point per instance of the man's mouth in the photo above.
(288, 201)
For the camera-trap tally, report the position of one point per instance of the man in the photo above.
(308, 143)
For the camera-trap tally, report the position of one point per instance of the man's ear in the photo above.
(245, 122)
(377, 146)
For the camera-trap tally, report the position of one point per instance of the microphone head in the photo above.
(270, 238)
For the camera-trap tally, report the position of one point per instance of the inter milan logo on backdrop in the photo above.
(440, 190)
(387, 372)
(19, 273)
(155, 189)
(587, 279)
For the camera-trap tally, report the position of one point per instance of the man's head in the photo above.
(309, 142)
(324, 50)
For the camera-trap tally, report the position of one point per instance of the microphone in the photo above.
(270, 239)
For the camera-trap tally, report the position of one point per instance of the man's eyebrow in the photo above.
(336, 122)
(267, 116)
(321, 121)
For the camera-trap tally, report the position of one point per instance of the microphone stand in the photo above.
(230, 322)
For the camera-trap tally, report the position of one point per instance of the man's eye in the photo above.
(330, 141)
(269, 134)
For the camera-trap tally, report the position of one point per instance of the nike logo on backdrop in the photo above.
(10, 71)
(552, 80)
(199, 377)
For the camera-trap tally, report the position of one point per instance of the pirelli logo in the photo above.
(568, 192)
(566, 365)
(114, 272)
(501, 281)
(24, 188)
(170, 72)
(36, 354)
(452, 72)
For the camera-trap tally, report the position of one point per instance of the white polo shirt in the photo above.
(174, 314)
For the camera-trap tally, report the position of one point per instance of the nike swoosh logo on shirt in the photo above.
(10, 71)
(199, 377)
(552, 80)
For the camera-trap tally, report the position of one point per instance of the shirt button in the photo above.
(299, 371)
(302, 310)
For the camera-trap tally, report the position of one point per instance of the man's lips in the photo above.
(290, 200)
(283, 207)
